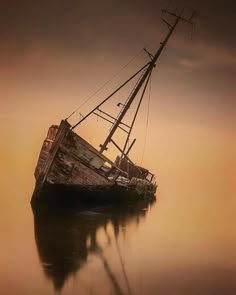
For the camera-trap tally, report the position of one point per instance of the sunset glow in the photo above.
(54, 55)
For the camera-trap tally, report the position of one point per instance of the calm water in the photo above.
(184, 243)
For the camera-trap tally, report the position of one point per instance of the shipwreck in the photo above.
(67, 162)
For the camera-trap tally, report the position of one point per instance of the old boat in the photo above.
(69, 163)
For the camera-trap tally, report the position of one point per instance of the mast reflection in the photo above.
(64, 241)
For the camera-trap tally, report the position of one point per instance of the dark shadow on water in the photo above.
(53, 199)
(65, 238)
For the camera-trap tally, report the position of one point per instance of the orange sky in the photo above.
(53, 57)
(52, 62)
(192, 109)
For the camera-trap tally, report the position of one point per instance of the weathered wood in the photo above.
(82, 150)
(66, 169)
(60, 135)
(46, 147)
(67, 160)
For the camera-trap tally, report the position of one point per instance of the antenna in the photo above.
(187, 20)
(179, 16)
(193, 14)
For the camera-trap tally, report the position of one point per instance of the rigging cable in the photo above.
(147, 121)
(136, 113)
(101, 87)
(123, 268)
(161, 31)
(107, 98)
(126, 101)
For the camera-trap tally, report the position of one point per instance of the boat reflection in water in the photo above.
(64, 242)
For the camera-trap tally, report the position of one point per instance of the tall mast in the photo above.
(144, 76)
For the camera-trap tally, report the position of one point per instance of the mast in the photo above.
(144, 76)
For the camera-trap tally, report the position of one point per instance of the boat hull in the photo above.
(70, 170)
(62, 195)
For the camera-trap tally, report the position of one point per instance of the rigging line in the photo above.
(136, 113)
(123, 268)
(152, 43)
(124, 104)
(100, 88)
(147, 121)
(107, 98)
(110, 274)
(160, 33)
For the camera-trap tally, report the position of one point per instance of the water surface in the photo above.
(182, 244)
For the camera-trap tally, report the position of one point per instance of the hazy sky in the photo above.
(55, 54)
(46, 40)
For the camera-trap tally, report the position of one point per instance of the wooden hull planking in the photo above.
(69, 163)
